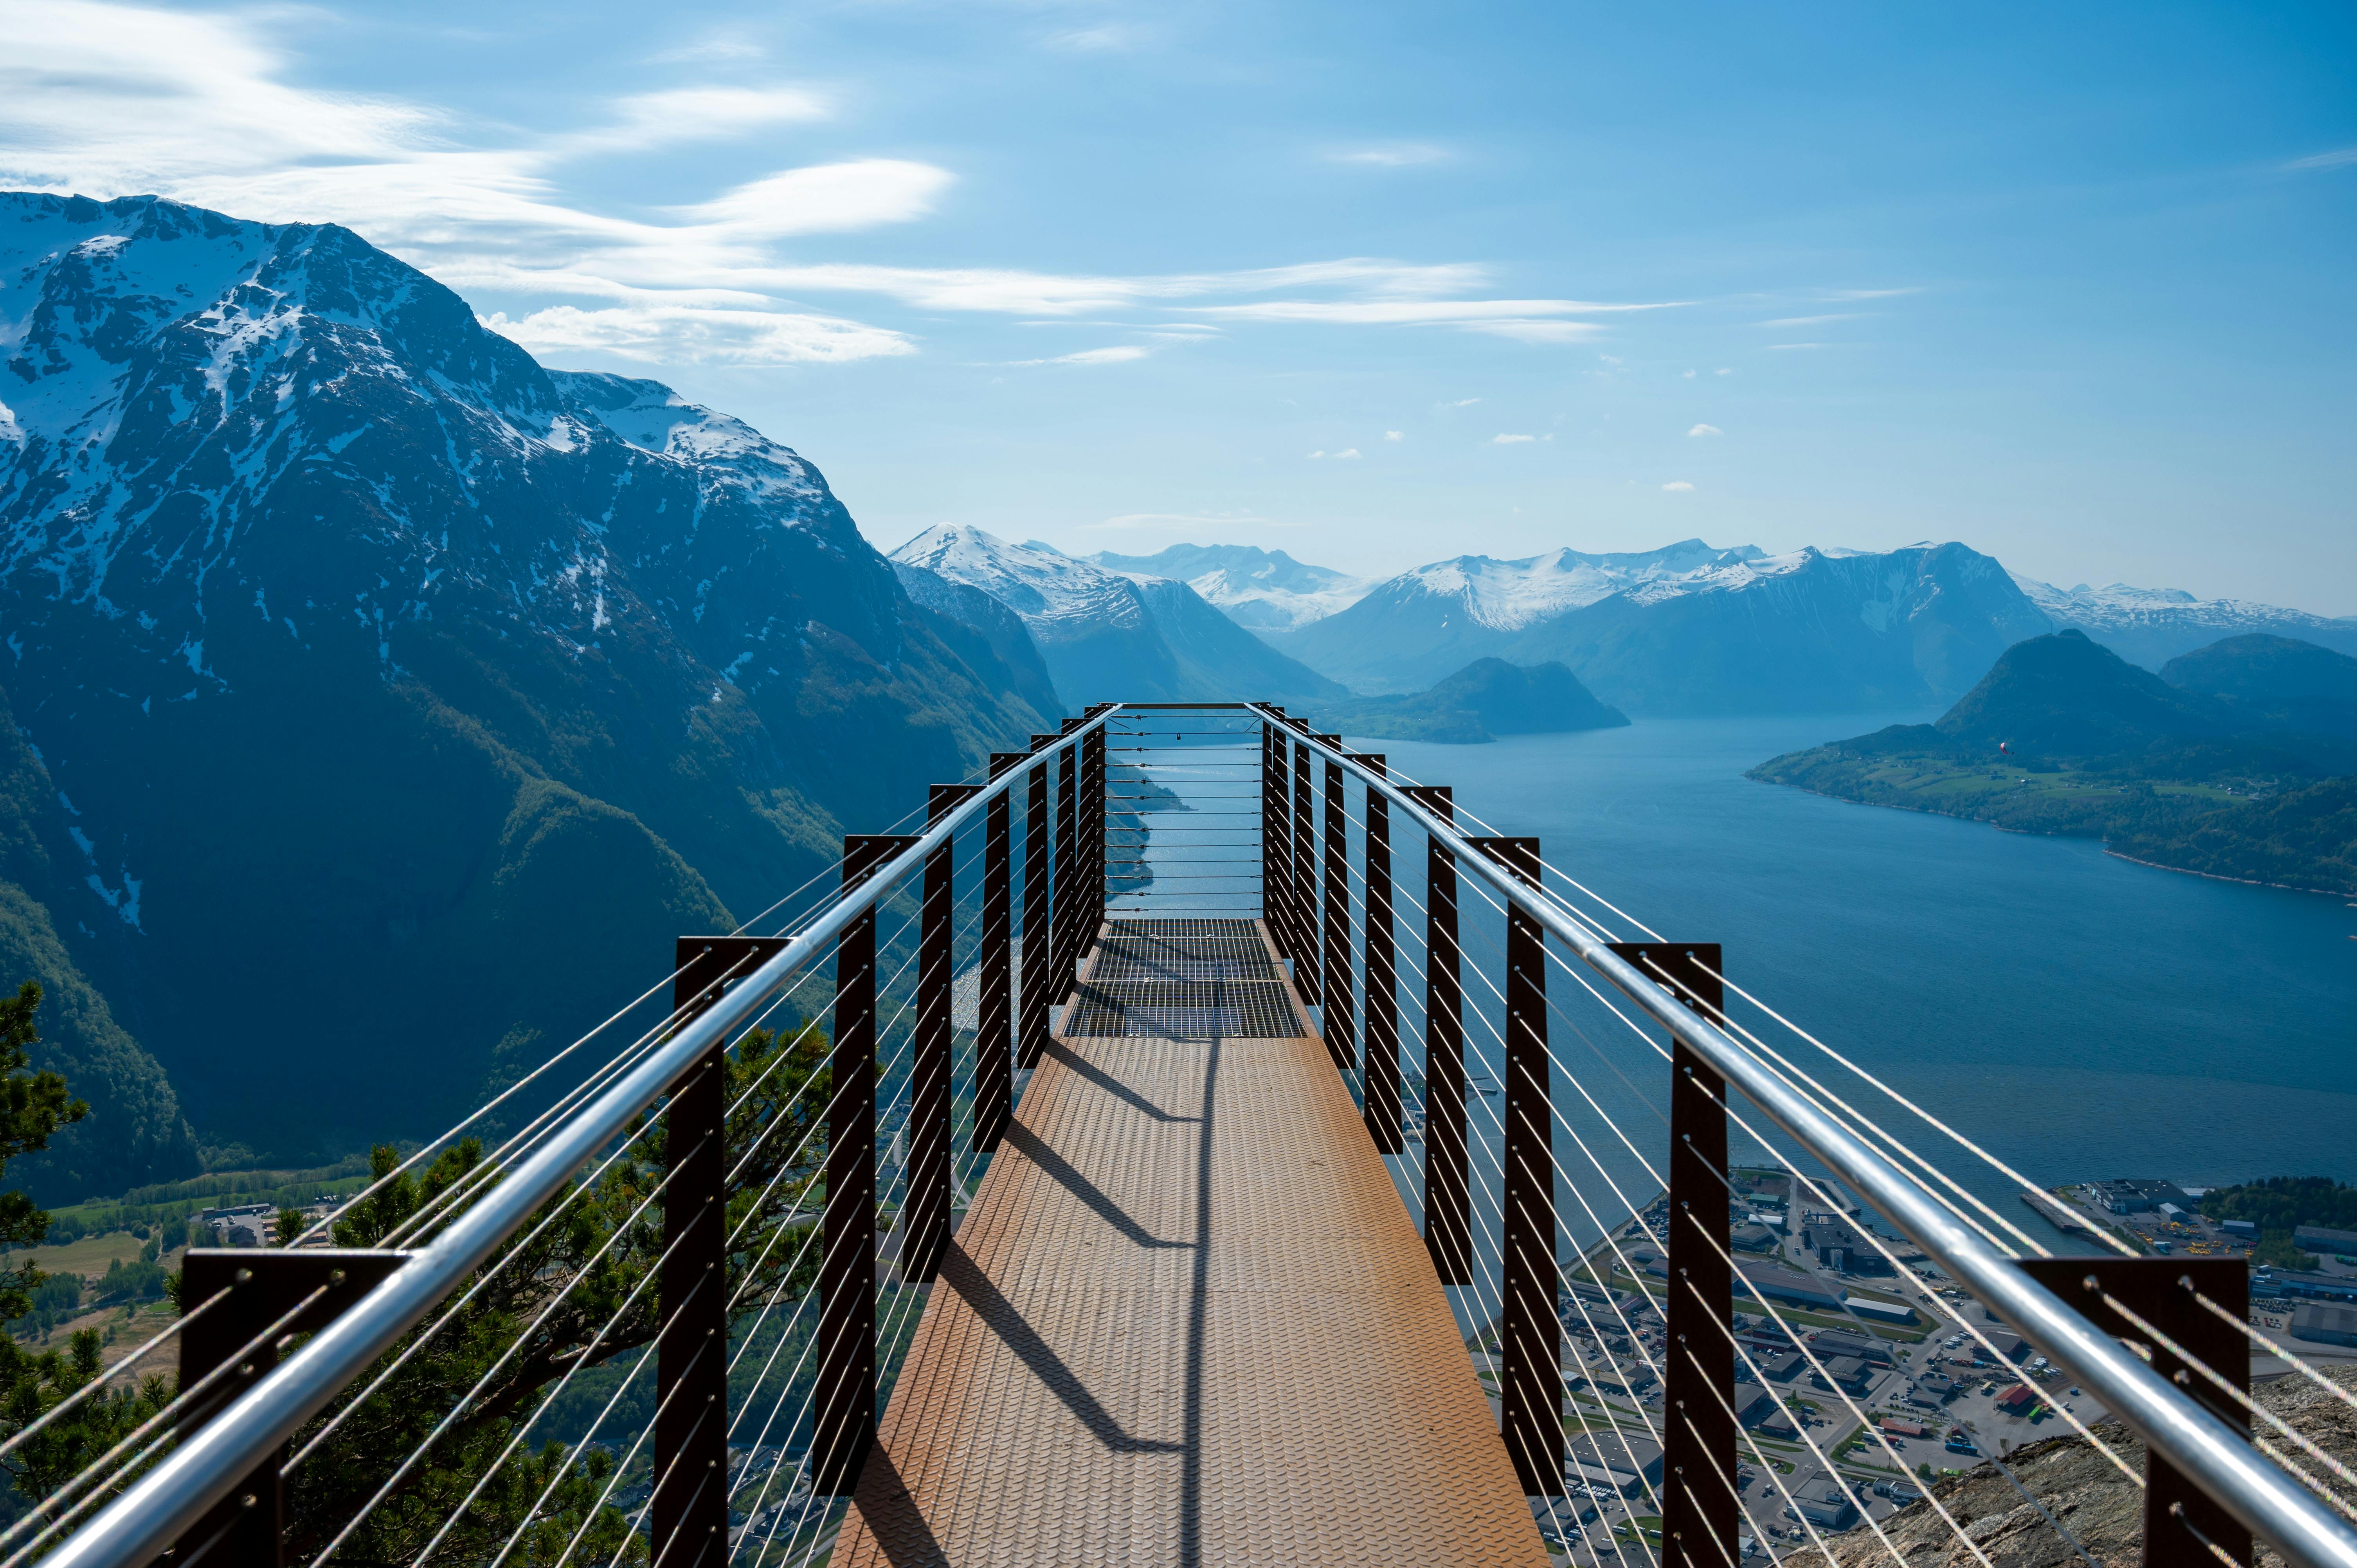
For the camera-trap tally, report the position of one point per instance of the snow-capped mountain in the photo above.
(376, 660)
(1105, 634)
(1690, 628)
(2152, 626)
(1267, 590)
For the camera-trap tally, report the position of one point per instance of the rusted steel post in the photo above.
(248, 1526)
(994, 1038)
(925, 1208)
(1039, 914)
(1305, 875)
(2161, 1292)
(1382, 1108)
(1336, 1022)
(1533, 1336)
(1447, 1193)
(1698, 1443)
(844, 1403)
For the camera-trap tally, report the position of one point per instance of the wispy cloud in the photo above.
(1119, 354)
(1677, 485)
(1502, 439)
(1706, 430)
(1482, 314)
(1808, 321)
(671, 334)
(1723, 370)
(1345, 452)
(1462, 403)
(1391, 154)
(1395, 435)
(2340, 158)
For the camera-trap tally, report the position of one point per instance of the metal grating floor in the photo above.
(1182, 1010)
(1247, 931)
(1182, 958)
(1187, 1323)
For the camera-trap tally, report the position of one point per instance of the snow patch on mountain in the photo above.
(1054, 593)
(1507, 595)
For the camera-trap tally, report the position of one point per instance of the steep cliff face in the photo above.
(407, 692)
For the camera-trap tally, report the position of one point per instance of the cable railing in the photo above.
(648, 1302)
(1627, 1288)
(657, 1321)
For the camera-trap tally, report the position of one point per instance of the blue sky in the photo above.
(1373, 284)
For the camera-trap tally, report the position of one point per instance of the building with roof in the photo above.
(1844, 1371)
(1865, 1346)
(2301, 1284)
(2322, 1325)
(1627, 1464)
(2316, 1239)
(2018, 1400)
(1783, 1285)
(1824, 1502)
(2125, 1195)
(1840, 1246)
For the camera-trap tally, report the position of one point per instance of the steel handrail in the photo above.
(160, 1506)
(2212, 1455)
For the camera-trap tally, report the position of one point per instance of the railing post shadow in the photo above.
(1699, 1514)
(1533, 1349)
(843, 1413)
(1383, 1108)
(1276, 835)
(1448, 1197)
(994, 1038)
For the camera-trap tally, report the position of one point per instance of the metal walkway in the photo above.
(1188, 1320)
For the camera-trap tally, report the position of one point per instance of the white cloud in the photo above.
(1706, 430)
(2340, 158)
(1394, 435)
(1502, 439)
(824, 198)
(1677, 485)
(1489, 313)
(1462, 403)
(698, 115)
(701, 335)
(1722, 372)
(1808, 320)
(1120, 354)
(1686, 375)
(1346, 452)
(1391, 155)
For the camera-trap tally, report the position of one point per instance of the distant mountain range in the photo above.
(376, 696)
(1105, 634)
(1692, 628)
(1264, 589)
(2236, 761)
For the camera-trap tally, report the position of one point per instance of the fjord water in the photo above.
(2080, 1015)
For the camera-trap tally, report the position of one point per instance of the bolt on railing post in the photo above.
(1383, 1108)
(1698, 1452)
(1335, 1019)
(994, 1036)
(1447, 1195)
(1039, 914)
(843, 1419)
(1534, 1334)
(925, 1209)
(2162, 1292)
(1305, 876)
(248, 1526)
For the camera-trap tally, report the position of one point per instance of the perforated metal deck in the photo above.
(1188, 1322)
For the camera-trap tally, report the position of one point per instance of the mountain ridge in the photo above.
(367, 648)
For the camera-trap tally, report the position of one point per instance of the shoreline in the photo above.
(2028, 833)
